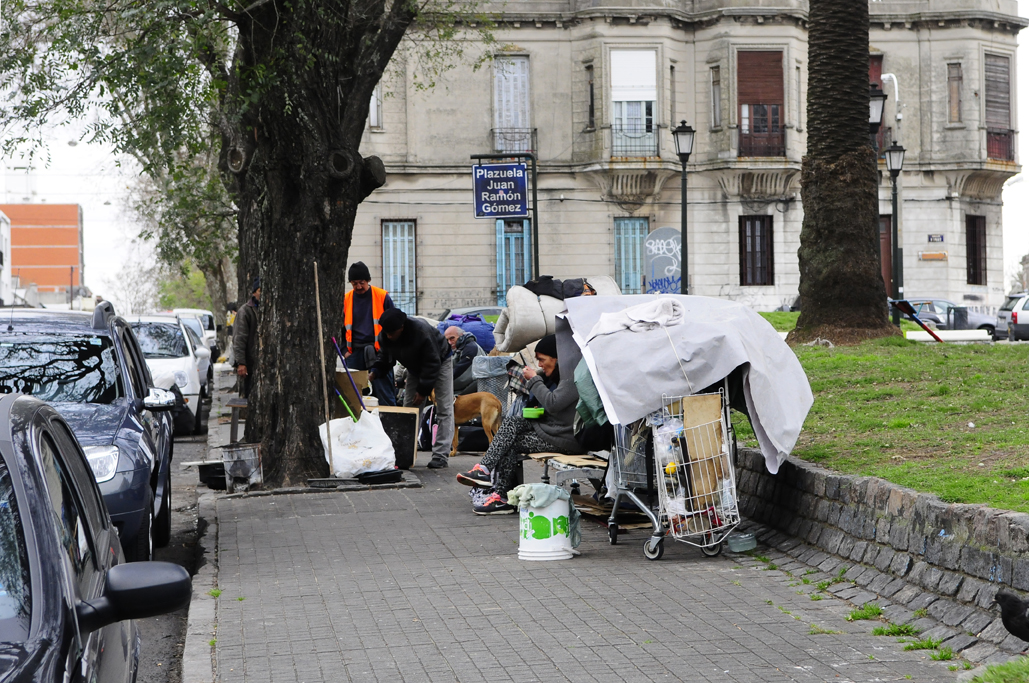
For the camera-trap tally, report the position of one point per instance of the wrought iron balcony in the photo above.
(1000, 144)
(514, 139)
(770, 144)
(633, 140)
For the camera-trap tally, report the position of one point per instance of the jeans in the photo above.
(444, 407)
(382, 387)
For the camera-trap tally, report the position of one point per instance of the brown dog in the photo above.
(481, 404)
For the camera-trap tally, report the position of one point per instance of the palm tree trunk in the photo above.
(842, 294)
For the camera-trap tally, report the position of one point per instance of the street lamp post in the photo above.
(683, 135)
(876, 103)
(895, 164)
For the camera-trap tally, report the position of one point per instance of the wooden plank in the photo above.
(580, 461)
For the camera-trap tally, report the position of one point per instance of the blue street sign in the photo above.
(500, 191)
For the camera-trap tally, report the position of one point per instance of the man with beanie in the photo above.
(420, 348)
(244, 340)
(363, 307)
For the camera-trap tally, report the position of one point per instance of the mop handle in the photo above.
(345, 404)
(347, 368)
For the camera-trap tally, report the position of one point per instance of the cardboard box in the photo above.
(345, 388)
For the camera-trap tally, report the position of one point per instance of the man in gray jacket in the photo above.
(465, 350)
(244, 340)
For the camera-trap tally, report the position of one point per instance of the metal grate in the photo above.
(630, 234)
(633, 140)
(1000, 144)
(771, 144)
(514, 139)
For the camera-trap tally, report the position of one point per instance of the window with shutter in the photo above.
(954, 93)
(591, 113)
(999, 138)
(756, 260)
(630, 234)
(975, 249)
(375, 108)
(759, 86)
(398, 264)
(512, 129)
(716, 96)
(514, 254)
(633, 97)
(875, 77)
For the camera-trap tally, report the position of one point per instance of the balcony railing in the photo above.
(1000, 144)
(514, 139)
(634, 140)
(771, 144)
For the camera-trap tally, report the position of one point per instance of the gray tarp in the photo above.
(634, 369)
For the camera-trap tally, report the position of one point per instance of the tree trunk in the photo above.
(297, 196)
(216, 278)
(842, 294)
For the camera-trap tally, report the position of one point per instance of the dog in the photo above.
(480, 404)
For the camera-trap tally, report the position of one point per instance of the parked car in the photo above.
(90, 368)
(1013, 317)
(67, 597)
(940, 308)
(204, 365)
(210, 328)
(172, 361)
(487, 313)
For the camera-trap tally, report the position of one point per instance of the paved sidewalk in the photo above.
(409, 585)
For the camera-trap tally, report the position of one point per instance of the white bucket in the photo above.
(544, 534)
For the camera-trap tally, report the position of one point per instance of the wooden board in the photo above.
(401, 425)
(345, 388)
(581, 461)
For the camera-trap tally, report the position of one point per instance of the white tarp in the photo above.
(682, 346)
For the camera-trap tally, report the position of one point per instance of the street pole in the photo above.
(898, 253)
(684, 261)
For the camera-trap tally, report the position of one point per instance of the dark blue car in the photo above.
(90, 368)
(67, 597)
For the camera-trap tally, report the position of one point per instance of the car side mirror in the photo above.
(135, 591)
(203, 352)
(159, 399)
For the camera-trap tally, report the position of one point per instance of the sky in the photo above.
(91, 175)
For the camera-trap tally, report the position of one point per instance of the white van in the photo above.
(210, 329)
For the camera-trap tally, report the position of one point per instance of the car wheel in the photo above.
(199, 426)
(990, 330)
(142, 548)
(162, 523)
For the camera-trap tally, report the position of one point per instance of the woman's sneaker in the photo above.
(477, 476)
(493, 505)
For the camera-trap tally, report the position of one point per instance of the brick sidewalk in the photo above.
(409, 585)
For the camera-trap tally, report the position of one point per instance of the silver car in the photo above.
(1013, 317)
(940, 310)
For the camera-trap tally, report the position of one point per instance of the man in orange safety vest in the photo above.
(362, 307)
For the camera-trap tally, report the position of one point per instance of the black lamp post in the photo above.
(683, 135)
(876, 102)
(895, 164)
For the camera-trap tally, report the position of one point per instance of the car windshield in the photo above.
(1009, 304)
(15, 592)
(194, 324)
(73, 369)
(161, 340)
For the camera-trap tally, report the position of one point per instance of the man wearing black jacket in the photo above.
(426, 354)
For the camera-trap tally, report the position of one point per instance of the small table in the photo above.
(235, 404)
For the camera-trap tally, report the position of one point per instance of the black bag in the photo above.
(381, 477)
(425, 428)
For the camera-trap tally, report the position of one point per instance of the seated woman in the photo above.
(553, 432)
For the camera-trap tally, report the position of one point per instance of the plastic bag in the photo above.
(357, 448)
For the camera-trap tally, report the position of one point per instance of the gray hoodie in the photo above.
(557, 424)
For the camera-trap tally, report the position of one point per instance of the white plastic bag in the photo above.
(357, 448)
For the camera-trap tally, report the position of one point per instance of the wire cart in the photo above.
(677, 467)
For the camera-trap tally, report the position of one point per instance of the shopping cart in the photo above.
(685, 455)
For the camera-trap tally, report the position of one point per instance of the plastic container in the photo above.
(741, 543)
(543, 533)
(242, 463)
(532, 413)
(370, 402)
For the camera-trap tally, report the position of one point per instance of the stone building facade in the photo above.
(594, 88)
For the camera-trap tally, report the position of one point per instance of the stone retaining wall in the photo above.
(908, 546)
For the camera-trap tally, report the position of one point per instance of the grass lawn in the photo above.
(948, 419)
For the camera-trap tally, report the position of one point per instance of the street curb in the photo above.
(201, 627)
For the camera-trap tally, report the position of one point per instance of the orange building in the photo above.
(46, 245)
